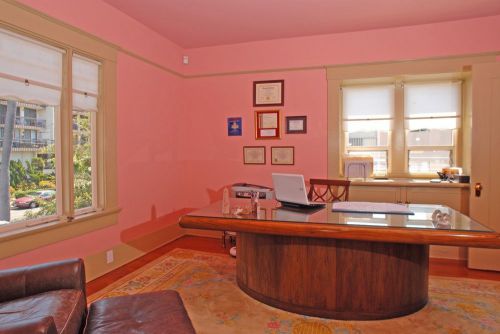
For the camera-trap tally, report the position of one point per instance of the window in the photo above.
(428, 119)
(432, 116)
(33, 136)
(367, 116)
(40, 93)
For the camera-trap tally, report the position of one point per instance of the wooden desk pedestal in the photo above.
(333, 278)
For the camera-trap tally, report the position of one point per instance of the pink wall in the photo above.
(211, 159)
(412, 42)
(173, 148)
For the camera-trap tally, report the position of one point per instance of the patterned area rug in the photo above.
(215, 304)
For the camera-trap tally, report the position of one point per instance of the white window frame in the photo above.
(398, 126)
(344, 134)
(63, 212)
(454, 149)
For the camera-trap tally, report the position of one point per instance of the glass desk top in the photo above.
(271, 211)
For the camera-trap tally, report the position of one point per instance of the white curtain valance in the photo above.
(366, 126)
(434, 105)
(30, 71)
(368, 102)
(85, 84)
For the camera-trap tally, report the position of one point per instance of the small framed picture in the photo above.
(234, 126)
(282, 155)
(296, 124)
(268, 93)
(254, 155)
(267, 124)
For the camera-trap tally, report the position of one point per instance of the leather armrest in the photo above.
(31, 280)
(43, 325)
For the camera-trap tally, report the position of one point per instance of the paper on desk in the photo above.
(370, 207)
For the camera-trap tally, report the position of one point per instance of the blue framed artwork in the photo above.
(234, 126)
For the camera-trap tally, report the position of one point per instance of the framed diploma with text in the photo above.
(268, 93)
(282, 155)
(254, 155)
(267, 124)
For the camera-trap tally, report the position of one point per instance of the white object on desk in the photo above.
(358, 167)
(371, 207)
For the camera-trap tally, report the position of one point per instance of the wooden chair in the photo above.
(323, 190)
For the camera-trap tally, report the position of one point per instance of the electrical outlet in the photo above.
(109, 256)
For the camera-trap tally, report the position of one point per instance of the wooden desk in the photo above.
(339, 265)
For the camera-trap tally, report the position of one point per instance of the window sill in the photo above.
(405, 182)
(29, 238)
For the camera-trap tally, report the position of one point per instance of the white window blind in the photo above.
(30, 71)
(85, 84)
(367, 108)
(432, 105)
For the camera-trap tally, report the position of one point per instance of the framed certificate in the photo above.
(296, 124)
(254, 155)
(267, 124)
(282, 155)
(268, 93)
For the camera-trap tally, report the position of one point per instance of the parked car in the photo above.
(31, 200)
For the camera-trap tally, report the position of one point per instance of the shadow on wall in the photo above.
(156, 230)
(216, 195)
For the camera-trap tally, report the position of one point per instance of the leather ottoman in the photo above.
(151, 313)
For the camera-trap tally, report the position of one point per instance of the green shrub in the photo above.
(21, 193)
(47, 185)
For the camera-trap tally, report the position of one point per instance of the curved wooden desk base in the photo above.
(331, 278)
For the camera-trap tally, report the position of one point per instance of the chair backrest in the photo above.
(323, 190)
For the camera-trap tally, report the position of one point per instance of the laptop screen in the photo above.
(290, 188)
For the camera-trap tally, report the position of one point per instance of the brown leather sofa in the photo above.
(47, 298)
(50, 298)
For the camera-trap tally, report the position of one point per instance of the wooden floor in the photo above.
(437, 267)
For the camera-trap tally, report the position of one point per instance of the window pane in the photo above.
(428, 161)
(433, 123)
(367, 138)
(85, 97)
(82, 159)
(379, 160)
(368, 102)
(430, 137)
(32, 188)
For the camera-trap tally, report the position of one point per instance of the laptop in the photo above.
(290, 190)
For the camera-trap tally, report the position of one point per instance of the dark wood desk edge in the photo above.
(331, 231)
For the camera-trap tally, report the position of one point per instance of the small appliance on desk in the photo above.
(244, 190)
(358, 167)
